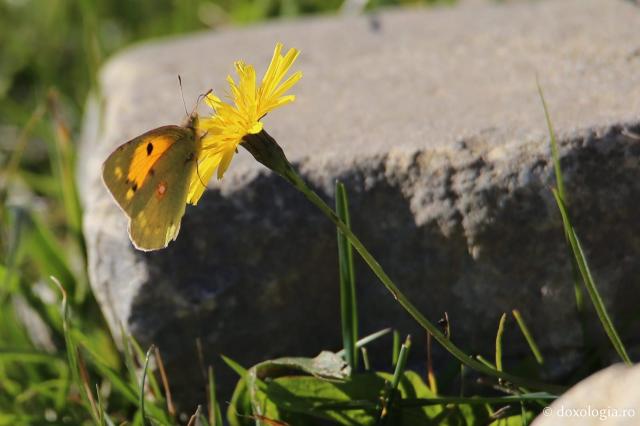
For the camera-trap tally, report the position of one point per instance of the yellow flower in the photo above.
(230, 123)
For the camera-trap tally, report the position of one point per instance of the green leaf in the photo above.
(239, 411)
(352, 402)
(326, 365)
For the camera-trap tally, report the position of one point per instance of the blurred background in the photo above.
(61, 44)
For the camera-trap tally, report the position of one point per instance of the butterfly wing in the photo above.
(149, 179)
(127, 167)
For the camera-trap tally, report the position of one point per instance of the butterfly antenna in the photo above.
(200, 98)
(182, 94)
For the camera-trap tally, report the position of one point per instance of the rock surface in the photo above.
(609, 397)
(432, 119)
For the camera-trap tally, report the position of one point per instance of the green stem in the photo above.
(290, 175)
(266, 150)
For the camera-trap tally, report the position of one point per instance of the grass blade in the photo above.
(367, 339)
(365, 359)
(12, 166)
(485, 361)
(100, 407)
(555, 156)
(84, 376)
(499, 334)
(124, 388)
(63, 164)
(395, 381)
(555, 153)
(292, 177)
(153, 383)
(402, 362)
(142, 384)
(129, 363)
(239, 370)
(527, 335)
(63, 158)
(72, 352)
(348, 305)
(395, 352)
(528, 397)
(543, 397)
(431, 375)
(215, 415)
(587, 279)
(196, 418)
(165, 383)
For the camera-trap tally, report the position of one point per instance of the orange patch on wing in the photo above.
(146, 155)
(161, 189)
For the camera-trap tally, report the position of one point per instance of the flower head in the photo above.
(231, 122)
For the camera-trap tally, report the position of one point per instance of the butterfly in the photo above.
(149, 178)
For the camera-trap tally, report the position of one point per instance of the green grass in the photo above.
(579, 259)
(71, 372)
(348, 305)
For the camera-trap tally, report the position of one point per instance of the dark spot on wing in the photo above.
(149, 148)
(189, 158)
(152, 172)
(134, 187)
(126, 181)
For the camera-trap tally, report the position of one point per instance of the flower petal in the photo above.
(204, 171)
(232, 121)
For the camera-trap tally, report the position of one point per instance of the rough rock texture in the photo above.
(432, 119)
(609, 397)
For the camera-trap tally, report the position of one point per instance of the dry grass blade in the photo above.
(165, 383)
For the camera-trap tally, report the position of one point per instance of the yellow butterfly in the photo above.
(149, 178)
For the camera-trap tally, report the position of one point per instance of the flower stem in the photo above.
(290, 175)
(266, 150)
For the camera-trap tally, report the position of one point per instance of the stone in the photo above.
(432, 119)
(608, 397)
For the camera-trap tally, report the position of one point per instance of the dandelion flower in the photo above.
(232, 122)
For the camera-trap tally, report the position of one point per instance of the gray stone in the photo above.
(432, 119)
(608, 397)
